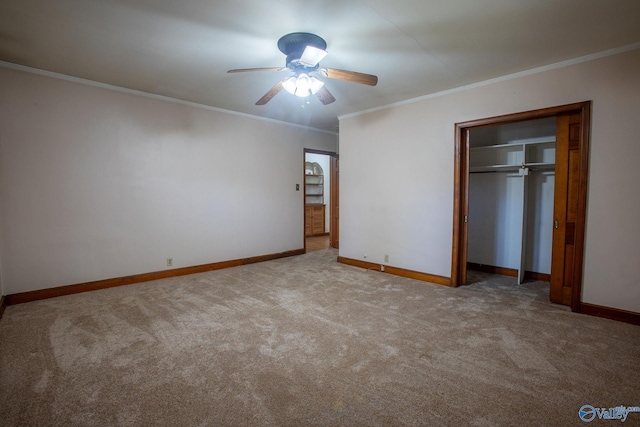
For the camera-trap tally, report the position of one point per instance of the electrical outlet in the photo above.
(169, 262)
(297, 187)
(381, 267)
(386, 258)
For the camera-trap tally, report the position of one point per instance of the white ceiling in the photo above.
(183, 48)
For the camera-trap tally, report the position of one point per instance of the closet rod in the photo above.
(515, 170)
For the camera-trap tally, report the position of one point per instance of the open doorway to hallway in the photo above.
(317, 243)
(320, 204)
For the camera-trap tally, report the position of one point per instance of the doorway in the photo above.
(321, 207)
(570, 194)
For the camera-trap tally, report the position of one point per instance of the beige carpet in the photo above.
(305, 341)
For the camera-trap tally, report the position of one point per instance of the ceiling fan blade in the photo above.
(325, 96)
(272, 92)
(244, 70)
(311, 56)
(351, 76)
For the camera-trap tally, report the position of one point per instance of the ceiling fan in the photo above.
(304, 52)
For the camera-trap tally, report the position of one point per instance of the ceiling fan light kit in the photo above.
(304, 52)
(303, 85)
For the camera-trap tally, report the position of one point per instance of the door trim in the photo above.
(461, 187)
(334, 199)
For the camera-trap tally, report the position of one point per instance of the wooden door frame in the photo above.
(332, 154)
(461, 186)
(334, 209)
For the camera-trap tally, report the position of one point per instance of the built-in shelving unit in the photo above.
(314, 204)
(314, 189)
(535, 153)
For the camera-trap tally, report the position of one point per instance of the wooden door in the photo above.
(463, 188)
(334, 204)
(566, 208)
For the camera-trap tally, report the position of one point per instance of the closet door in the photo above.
(564, 262)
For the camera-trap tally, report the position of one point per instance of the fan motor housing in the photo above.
(294, 44)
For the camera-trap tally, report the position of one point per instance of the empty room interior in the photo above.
(319, 213)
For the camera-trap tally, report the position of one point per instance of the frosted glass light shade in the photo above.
(312, 55)
(303, 85)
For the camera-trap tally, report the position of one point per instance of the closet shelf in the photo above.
(511, 168)
(534, 153)
(518, 143)
(494, 168)
(540, 166)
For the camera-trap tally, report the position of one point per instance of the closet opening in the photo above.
(520, 198)
(511, 183)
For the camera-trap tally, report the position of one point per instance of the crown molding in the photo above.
(115, 88)
(507, 77)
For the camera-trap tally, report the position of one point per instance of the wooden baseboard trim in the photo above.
(139, 278)
(270, 257)
(425, 277)
(511, 272)
(492, 269)
(540, 277)
(316, 235)
(2, 305)
(610, 313)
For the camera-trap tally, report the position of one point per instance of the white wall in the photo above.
(540, 222)
(495, 219)
(396, 190)
(96, 183)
